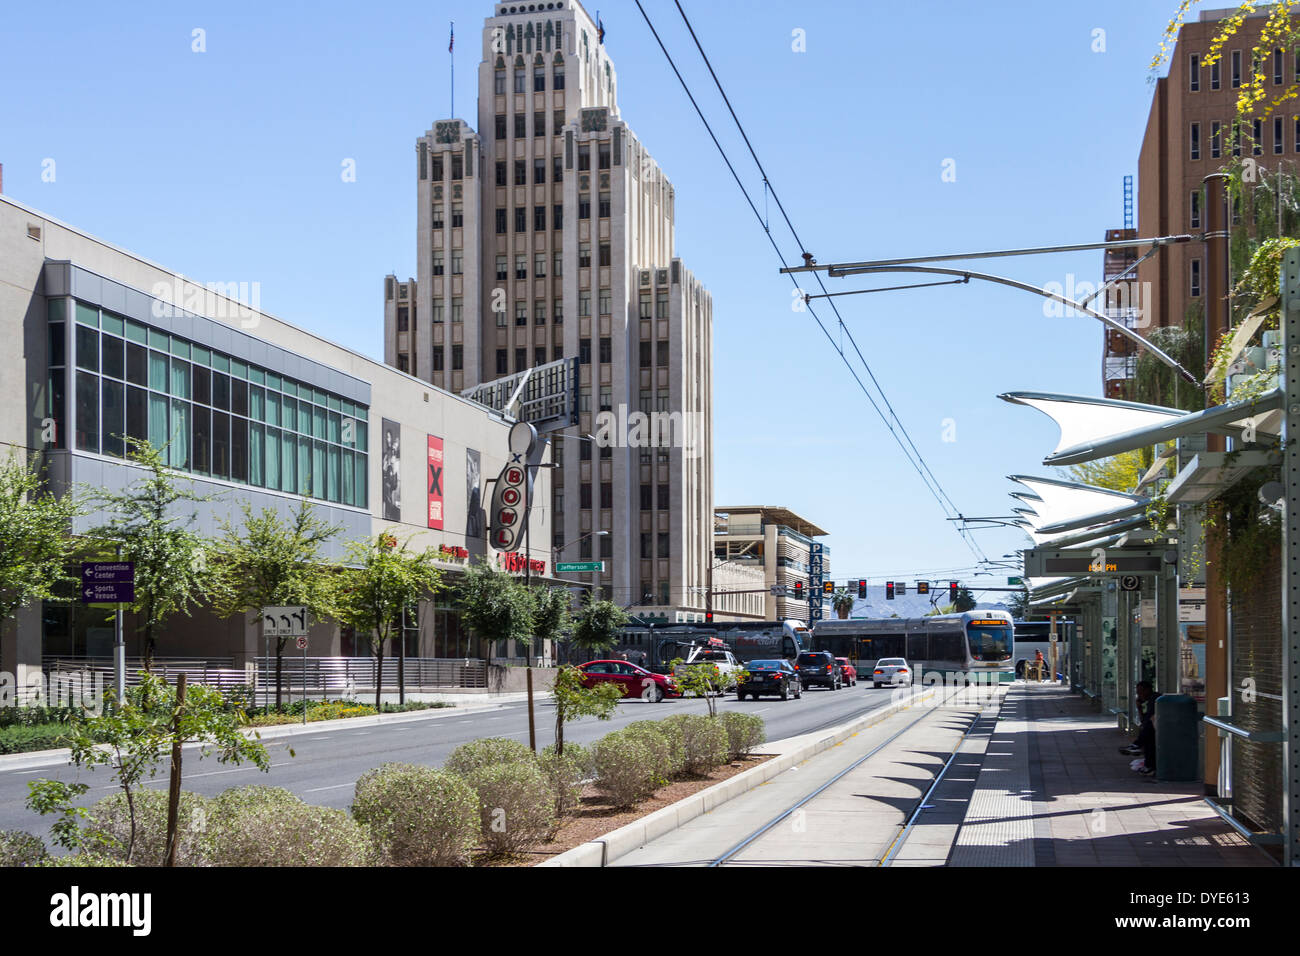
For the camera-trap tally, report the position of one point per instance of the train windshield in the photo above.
(989, 643)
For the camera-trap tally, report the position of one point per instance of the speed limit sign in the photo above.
(302, 643)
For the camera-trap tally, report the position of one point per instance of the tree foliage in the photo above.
(379, 580)
(496, 605)
(272, 562)
(35, 536)
(573, 701)
(598, 624)
(151, 522)
(1121, 472)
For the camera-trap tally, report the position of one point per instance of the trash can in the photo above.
(1177, 736)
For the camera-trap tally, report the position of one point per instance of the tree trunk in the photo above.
(174, 790)
(559, 729)
(401, 666)
(379, 669)
(130, 812)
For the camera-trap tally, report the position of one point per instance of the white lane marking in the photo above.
(190, 776)
(337, 786)
(763, 711)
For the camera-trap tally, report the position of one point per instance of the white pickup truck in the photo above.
(724, 660)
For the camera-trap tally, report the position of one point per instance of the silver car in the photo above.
(892, 671)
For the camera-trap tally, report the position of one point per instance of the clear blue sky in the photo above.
(225, 166)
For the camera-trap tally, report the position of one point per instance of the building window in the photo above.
(646, 505)
(437, 358)
(584, 351)
(584, 255)
(1196, 141)
(1196, 209)
(501, 174)
(584, 206)
(437, 311)
(539, 317)
(606, 494)
(457, 310)
(539, 355)
(1279, 144)
(539, 80)
(606, 302)
(521, 81)
(521, 359)
(435, 219)
(1216, 139)
(584, 304)
(1257, 134)
(437, 263)
(606, 403)
(1214, 73)
(557, 122)
(1194, 72)
(521, 219)
(436, 169)
(403, 320)
(557, 170)
(663, 545)
(559, 311)
(500, 126)
(501, 317)
(539, 171)
(457, 262)
(521, 126)
(501, 222)
(1277, 67)
(521, 266)
(403, 363)
(521, 313)
(1196, 279)
(539, 124)
(606, 350)
(1236, 69)
(499, 83)
(661, 356)
(661, 305)
(503, 362)
(503, 268)
(457, 358)
(458, 167)
(645, 306)
(557, 216)
(664, 503)
(584, 451)
(521, 173)
(604, 254)
(1236, 138)
(604, 206)
(584, 158)
(584, 500)
(457, 215)
(539, 265)
(557, 78)
(602, 150)
(539, 218)
(645, 355)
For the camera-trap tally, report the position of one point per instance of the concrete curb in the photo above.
(55, 758)
(617, 843)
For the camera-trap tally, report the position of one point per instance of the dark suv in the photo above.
(820, 667)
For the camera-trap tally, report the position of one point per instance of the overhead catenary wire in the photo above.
(914, 456)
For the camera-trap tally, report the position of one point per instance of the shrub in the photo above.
(744, 732)
(566, 775)
(417, 816)
(19, 848)
(665, 744)
(84, 859)
(25, 738)
(704, 742)
(109, 830)
(516, 806)
(267, 826)
(625, 767)
(487, 752)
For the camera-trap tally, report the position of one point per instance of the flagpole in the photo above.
(451, 51)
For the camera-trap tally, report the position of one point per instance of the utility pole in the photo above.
(1216, 323)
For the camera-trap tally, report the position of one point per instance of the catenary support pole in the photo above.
(1291, 558)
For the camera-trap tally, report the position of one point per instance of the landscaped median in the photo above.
(605, 849)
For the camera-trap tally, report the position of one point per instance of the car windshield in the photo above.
(809, 658)
(764, 665)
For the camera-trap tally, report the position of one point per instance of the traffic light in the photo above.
(708, 617)
(798, 590)
(862, 589)
(889, 590)
(922, 587)
(952, 592)
(828, 587)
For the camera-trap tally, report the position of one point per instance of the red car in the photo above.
(850, 672)
(636, 681)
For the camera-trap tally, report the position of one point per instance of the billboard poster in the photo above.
(391, 475)
(473, 495)
(435, 483)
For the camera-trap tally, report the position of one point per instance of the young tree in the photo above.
(35, 537)
(151, 524)
(598, 625)
(131, 739)
(496, 605)
(704, 679)
(379, 580)
(965, 601)
(550, 614)
(271, 562)
(572, 701)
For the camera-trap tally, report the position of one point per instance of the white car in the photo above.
(891, 670)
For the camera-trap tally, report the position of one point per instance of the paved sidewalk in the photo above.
(1055, 791)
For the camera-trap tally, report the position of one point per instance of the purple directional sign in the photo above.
(107, 582)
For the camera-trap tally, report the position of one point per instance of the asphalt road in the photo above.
(325, 766)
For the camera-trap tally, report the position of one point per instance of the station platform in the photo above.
(1053, 790)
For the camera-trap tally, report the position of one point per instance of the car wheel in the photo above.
(798, 693)
(876, 684)
(785, 693)
(656, 694)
